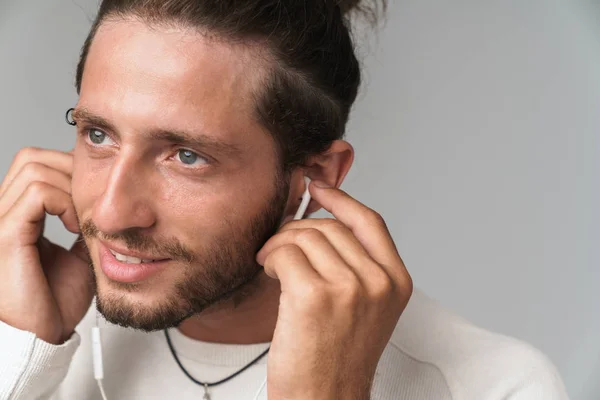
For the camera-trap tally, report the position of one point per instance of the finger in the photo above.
(338, 234)
(52, 158)
(375, 279)
(29, 211)
(322, 256)
(343, 241)
(289, 264)
(33, 172)
(366, 225)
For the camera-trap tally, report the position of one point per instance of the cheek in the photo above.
(87, 182)
(193, 217)
(200, 214)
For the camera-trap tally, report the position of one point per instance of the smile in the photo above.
(128, 259)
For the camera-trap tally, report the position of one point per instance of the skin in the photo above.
(325, 282)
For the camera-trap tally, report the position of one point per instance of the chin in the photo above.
(142, 306)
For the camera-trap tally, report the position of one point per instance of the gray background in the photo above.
(476, 137)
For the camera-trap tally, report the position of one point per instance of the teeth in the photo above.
(127, 259)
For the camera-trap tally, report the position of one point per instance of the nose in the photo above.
(126, 202)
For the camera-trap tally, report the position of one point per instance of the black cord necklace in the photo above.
(206, 385)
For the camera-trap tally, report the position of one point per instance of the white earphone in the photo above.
(304, 202)
(96, 341)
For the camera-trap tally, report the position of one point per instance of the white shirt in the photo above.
(433, 354)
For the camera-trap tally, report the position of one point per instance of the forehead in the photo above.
(171, 74)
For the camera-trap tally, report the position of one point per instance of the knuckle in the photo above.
(26, 153)
(333, 225)
(349, 290)
(33, 171)
(330, 222)
(352, 299)
(404, 289)
(382, 286)
(282, 253)
(286, 250)
(407, 287)
(348, 280)
(371, 218)
(375, 218)
(308, 235)
(36, 189)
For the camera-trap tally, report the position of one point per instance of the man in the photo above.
(196, 124)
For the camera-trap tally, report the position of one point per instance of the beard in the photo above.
(221, 270)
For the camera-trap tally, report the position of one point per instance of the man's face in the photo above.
(170, 165)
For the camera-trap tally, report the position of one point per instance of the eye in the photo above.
(188, 157)
(98, 137)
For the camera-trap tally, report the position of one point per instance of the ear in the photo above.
(332, 166)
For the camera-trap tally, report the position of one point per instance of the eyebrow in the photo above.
(198, 141)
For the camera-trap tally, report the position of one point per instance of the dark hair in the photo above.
(314, 79)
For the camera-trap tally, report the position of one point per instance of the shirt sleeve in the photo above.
(542, 382)
(31, 368)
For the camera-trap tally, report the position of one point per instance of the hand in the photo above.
(45, 288)
(344, 287)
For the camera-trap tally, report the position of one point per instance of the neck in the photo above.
(246, 318)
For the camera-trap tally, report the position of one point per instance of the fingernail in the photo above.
(322, 184)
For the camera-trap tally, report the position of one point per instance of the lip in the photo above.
(127, 273)
(127, 252)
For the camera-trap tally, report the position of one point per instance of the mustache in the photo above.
(135, 240)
